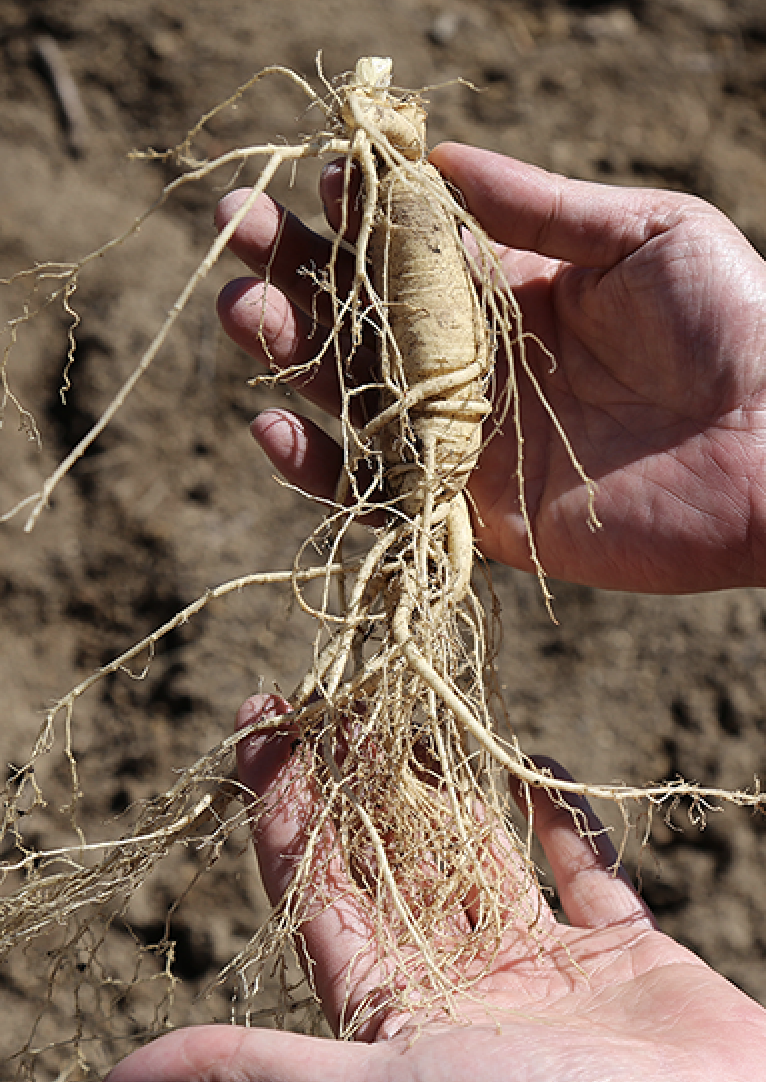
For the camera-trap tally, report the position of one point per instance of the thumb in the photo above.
(238, 1054)
(524, 207)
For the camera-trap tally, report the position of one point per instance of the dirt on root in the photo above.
(175, 498)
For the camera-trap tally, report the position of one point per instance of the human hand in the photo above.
(604, 996)
(654, 306)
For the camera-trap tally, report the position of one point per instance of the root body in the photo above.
(417, 809)
(437, 336)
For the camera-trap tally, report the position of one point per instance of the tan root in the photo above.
(397, 739)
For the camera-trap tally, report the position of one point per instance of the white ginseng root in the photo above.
(397, 738)
(419, 818)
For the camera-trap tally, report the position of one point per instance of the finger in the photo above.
(309, 459)
(592, 225)
(273, 243)
(265, 755)
(240, 1054)
(340, 186)
(305, 455)
(595, 890)
(337, 935)
(278, 334)
(511, 883)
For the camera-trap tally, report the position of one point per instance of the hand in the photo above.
(655, 308)
(605, 996)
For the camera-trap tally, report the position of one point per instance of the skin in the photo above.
(653, 304)
(608, 997)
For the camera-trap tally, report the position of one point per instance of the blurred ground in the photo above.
(175, 498)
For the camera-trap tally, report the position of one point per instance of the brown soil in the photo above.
(175, 497)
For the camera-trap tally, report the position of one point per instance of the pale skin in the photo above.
(654, 306)
(608, 997)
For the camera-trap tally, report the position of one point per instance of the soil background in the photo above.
(175, 498)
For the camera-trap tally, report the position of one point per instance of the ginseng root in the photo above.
(396, 725)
